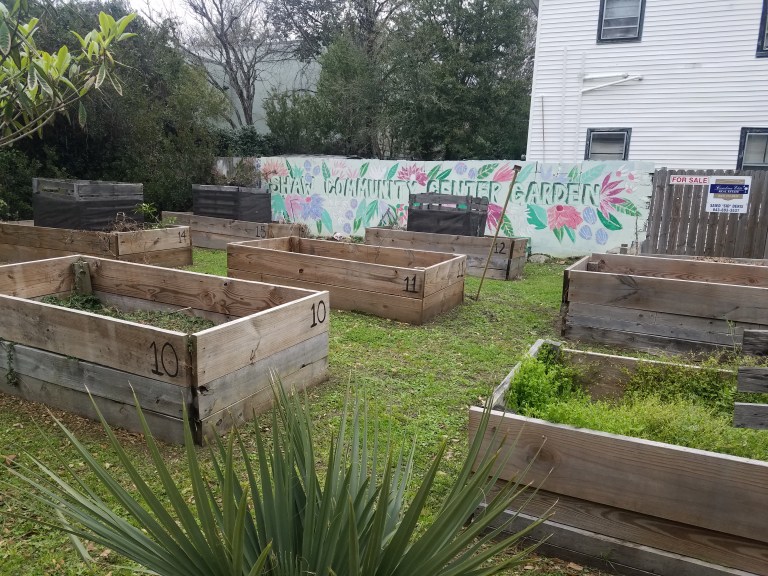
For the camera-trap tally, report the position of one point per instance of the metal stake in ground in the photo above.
(516, 170)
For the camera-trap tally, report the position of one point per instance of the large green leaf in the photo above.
(444, 174)
(610, 222)
(433, 172)
(392, 171)
(371, 212)
(525, 173)
(5, 38)
(486, 170)
(626, 207)
(363, 170)
(558, 232)
(326, 171)
(325, 218)
(537, 216)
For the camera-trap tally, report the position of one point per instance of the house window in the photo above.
(620, 20)
(607, 143)
(753, 149)
(762, 39)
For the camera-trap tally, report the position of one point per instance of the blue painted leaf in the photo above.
(433, 172)
(571, 233)
(392, 171)
(611, 222)
(558, 232)
(363, 170)
(326, 171)
(325, 218)
(443, 175)
(627, 207)
(486, 170)
(537, 216)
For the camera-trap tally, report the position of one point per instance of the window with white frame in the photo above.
(607, 143)
(620, 20)
(753, 149)
(762, 39)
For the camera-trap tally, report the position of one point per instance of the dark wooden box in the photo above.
(447, 214)
(233, 202)
(85, 204)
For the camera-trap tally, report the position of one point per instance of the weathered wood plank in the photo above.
(635, 340)
(442, 301)
(755, 342)
(216, 233)
(251, 379)
(370, 254)
(172, 258)
(100, 381)
(671, 482)
(308, 375)
(144, 350)
(683, 269)
(752, 379)
(130, 304)
(341, 298)
(118, 414)
(142, 241)
(181, 288)
(75, 241)
(33, 279)
(227, 348)
(704, 299)
(10, 253)
(437, 278)
(750, 415)
(608, 536)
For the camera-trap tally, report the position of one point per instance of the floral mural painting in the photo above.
(565, 209)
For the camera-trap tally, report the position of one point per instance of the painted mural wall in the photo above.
(566, 210)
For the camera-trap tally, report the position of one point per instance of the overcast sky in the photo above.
(163, 7)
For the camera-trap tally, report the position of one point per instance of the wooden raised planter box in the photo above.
(216, 233)
(221, 375)
(507, 260)
(405, 285)
(21, 242)
(629, 505)
(662, 304)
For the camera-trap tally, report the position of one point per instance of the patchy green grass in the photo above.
(419, 380)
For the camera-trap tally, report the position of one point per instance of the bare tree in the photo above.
(235, 35)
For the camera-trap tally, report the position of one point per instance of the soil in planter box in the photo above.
(174, 320)
(677, 405)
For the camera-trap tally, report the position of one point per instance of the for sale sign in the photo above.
(728, 194)
(689, 179)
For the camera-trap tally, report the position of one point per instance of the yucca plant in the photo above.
(282, 516)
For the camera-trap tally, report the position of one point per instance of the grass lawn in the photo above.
(419, 379)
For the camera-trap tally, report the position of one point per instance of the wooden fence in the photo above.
(680, 224)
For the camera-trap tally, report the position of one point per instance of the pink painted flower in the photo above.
(503, 174)
(560, 215)
(294, 206)
(413, 172)
(273, 168)
(339, 169)
(609, 195)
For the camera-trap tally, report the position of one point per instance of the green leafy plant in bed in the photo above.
(169, 320)
(685, 406)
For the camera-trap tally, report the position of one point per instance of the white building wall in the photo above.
(701, 82)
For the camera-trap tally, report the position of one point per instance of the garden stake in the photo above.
(516, 170)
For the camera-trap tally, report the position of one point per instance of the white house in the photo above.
(681, 83)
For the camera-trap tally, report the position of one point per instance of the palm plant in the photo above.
(278, 516)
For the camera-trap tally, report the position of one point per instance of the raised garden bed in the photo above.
(506, 263)
(233, 202)
(405, 285)
(632, 505)
(84, 204)
(221, 374)
(216, 233)
(21, 242)
(661, 304)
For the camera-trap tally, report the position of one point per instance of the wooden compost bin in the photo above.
(236, 202)
(21, 242)
(221, 375)
(84, 204)
(507, 260)
(652, 304)
(629, 505)
(406, 285)
(216, 233)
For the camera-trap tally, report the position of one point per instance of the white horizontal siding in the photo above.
(701, 82)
